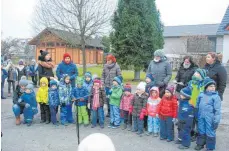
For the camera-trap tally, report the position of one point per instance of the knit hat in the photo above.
(170, 88)
(150, 76)
(23, 78)
(127, 87)
(208, 81)
(23, 82)
(21, 62)
(111, 57)
(141, 86)
(159, 53)
(53, 82)
(66, 55)
(202, 72)
(97, 80)
(96, 142)
(118, 79)
(44, 53)
(30, 87)
(88, 74)
(33, 60)
(79, 81)
(186, 91)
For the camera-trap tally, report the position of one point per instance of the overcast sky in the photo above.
(16, 14)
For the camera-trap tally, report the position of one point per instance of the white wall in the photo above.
(219, 44)
(175, 45)
(225, 48)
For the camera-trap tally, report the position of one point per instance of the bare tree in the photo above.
(9, 46)
(84, 18)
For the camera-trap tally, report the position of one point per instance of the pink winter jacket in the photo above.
(152, 103)
(126, 102)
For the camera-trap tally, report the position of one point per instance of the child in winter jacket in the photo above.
(65, 96)
(96, 99)
(152, 104)
(29, 99)
(42, 99)
(3, 78)
(33, 71)
(53, 100)
(167, 111)
(150, 82)
(80, 96)
(185, 118)
(125, 104)
(197, 85)
(209, 115)
(12, 78)
(21, 69)
(138, 108)
(115, 97)
(88, 81)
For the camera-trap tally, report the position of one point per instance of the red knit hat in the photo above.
(97, 81)
(66, 55)
(111, 57)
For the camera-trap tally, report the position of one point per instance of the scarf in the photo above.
(186, 66)
(47, 64)
(110, 65)
(95, 104)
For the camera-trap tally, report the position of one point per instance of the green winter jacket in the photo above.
(116, 95)
(196, 90)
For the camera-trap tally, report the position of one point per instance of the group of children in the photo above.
(199, 101)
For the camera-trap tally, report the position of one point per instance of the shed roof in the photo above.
(224, 24)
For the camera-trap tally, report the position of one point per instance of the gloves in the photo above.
(131, 109)
(63, 104)
(27, 105)
(174, 120)
(174, 81)
(180, 83)
(142, 114)
(215, 126)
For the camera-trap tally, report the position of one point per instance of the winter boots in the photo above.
(18, 120)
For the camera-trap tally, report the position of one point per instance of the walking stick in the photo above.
(77, 122)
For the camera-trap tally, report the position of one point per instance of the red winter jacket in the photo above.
(168, 107)
(126, 102)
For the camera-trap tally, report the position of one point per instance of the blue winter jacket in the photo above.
(88, 85)
(29, 98)
(65, 92)
(4, 75)
(185, 111)
(53, 97)
(80, 93)
(33, 69)
(149, 86)
(209, 106)
(69, 69)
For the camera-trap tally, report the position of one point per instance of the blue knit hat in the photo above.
(150, 76)
(202, 72)
(23, 82)
(30, 87)
(208, 81)
(127, 87)
(118, 79)
(186, 91)
(88, 74)
(52, 82)
(159, 53)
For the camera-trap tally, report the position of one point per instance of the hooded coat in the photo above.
(102, 96)
(53, 97)
(42, 93)
(161, 71)
(153, 102)
(29, 98)
(126, 102)
(168, 107)
(65, 91)
(139, 103)
(219, 74)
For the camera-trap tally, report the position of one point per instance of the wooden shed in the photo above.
(58, 42)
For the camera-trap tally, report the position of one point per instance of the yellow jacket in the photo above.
(42, 93)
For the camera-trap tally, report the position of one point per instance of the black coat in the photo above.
(185, 75)
(218, 73)
(17, 94)
(45, 72)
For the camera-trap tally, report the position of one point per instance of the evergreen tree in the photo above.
(137, 33)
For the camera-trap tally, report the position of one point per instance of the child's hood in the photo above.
(62, 80)
(154, 89)
(44, 80)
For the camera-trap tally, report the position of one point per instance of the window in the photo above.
(57, 44)
(50, 44)
(62, 44)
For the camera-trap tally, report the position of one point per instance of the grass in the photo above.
(128, 75)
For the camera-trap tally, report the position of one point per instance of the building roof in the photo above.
(69, 37)
(190, 30)
(224, 24)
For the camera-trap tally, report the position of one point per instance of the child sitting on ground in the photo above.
(126, 101)
(209, 115)
(152, 104)
(167, 111)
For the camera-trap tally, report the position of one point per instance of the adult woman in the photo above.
(217, 72)
(185, 72)
(110, 70)
(45, 65)
(161, 70)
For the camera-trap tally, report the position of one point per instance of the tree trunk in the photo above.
(136, 75)
(84, 55)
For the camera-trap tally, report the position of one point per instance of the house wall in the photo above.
(219, 44)
(175, 45)
(225, 48)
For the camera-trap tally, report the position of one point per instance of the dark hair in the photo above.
(213, 55)
(190, 59)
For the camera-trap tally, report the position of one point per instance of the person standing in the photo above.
(110, 70)
(33, 70)
(4, 76)
(161, 70)
(21, 69)
(12, 78)
(217, 72)
(185, 72)
(67, 67)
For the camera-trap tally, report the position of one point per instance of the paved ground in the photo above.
(42, 137)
